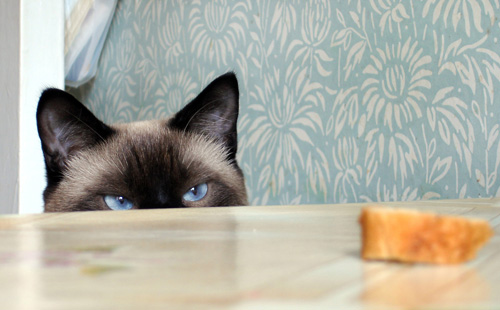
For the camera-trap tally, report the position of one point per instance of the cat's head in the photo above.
(188, 160)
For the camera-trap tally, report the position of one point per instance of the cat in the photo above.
(187, 160)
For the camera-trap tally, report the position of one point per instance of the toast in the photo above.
(411, 236)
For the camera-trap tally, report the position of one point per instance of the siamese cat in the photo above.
(187, 160)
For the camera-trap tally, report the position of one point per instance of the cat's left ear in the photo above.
(66, 127)
(214, 112)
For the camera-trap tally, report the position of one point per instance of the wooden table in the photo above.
(284, 257)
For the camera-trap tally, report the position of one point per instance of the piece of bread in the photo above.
(411, 236)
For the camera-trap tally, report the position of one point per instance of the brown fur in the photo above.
(151, 163)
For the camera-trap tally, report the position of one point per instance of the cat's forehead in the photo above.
(157, 137)
(150, 146)
(145, 127)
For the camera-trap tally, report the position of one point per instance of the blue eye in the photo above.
(118, 202)
(196, 193)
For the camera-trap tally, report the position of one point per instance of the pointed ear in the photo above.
(65, 127)
(214, 112)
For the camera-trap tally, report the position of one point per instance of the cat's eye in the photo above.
(196, 193)
(118, 202)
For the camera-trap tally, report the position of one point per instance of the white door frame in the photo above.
(35, 59)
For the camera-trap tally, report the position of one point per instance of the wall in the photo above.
(9, 98)
(341, 101)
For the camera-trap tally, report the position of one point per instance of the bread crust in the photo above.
(417, 237)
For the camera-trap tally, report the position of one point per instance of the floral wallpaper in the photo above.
(341, 101)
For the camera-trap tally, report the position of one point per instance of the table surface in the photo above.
(282, 257)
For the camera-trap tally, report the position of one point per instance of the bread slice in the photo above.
(411, 236)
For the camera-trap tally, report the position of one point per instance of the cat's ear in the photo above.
(65, 127)
(214, 112)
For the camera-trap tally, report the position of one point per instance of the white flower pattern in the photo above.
(215, 28)
(395, 82)
(341, 101)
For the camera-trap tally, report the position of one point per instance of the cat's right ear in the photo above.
(65, 127)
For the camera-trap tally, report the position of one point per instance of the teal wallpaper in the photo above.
(341, 101)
